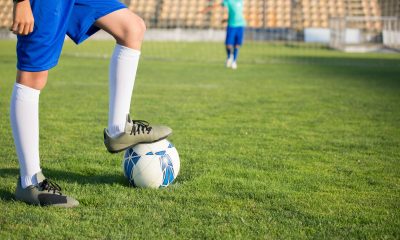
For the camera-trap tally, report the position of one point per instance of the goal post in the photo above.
(364, 34)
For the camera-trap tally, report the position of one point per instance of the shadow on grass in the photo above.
(299, 45)
(370, 71)
(6, 195)
(89, 178)
(349, 60)
(9, 172)
(70, 177)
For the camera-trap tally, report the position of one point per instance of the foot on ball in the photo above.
(136, 131)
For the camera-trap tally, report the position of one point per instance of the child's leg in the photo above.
(229, 58)
(229, 51)
(236, 52)
(229, 42)
(239, 35)
(128, 30)
(126, 27)
(24, 114)
(36, 54)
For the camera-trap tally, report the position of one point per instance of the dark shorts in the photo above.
(41, 49)
(234, 36)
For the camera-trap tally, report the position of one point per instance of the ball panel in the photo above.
(167, 169)
(174, 159)
(130, 160)
(147, 172)
(151, 165)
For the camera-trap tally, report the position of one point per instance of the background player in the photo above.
(235, 29)
(41, 27)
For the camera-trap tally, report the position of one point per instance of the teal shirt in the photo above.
(235, 10)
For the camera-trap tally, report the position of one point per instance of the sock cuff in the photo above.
(23, 92)
(122, 50)
(28, 180)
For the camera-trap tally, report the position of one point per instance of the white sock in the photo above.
(24, 114)
(123, 66)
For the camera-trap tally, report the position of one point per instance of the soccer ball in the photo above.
(151, 165)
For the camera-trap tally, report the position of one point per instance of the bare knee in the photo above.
(133, 32)
(140, 26)
(126, 27)
(36, 80)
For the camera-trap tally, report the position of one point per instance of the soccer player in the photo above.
(234, 31)
(41, 27)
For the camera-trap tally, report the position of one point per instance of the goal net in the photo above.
(365, 34)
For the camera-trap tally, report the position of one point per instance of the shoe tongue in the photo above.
(128, 124)
(40, 177)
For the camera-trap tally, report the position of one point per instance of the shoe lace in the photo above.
(140, 126)
(50, 186)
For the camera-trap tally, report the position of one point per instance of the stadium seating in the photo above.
(5, 13)
(390, 8)
(147, 9)
(258, 13)
(298, 14)
(182, 13)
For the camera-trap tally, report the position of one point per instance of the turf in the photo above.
(297, 143)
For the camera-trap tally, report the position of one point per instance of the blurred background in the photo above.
(282, 27)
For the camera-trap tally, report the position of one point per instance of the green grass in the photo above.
(276, 149)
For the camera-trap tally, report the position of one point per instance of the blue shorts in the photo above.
(41, 49)
(234, 36)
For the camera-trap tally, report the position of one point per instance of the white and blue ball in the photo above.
(151, 165)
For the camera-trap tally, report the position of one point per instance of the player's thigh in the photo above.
(230, 36)
(36, 80)
(123, 25)
(239, 36)
(84, 15)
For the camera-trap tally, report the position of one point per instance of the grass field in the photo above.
(305, 144)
